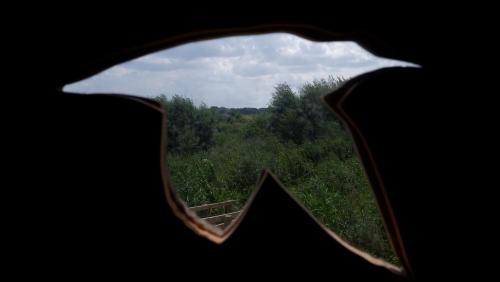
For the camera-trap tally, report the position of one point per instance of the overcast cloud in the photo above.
(233, 72)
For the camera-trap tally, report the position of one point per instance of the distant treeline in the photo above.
(241, 111)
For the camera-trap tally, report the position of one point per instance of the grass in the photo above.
(325, 175)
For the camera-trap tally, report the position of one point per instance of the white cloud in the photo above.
(234, 71)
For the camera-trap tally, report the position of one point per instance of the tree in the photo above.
(286, 120)
(303, 117)
(318, 115)
(190, 128)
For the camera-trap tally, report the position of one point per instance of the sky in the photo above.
(233, 72)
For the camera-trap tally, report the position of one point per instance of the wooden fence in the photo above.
(219, 214)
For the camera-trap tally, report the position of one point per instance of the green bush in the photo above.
(216, 156)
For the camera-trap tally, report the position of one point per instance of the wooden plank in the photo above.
(228, 217)
(212, 206)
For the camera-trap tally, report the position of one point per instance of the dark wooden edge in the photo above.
(218, 236)
(335, 100)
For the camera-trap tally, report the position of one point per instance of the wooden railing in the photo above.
(220, 220)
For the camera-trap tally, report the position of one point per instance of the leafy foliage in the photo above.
(217, 154)
(301, 117)
(190, 128)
